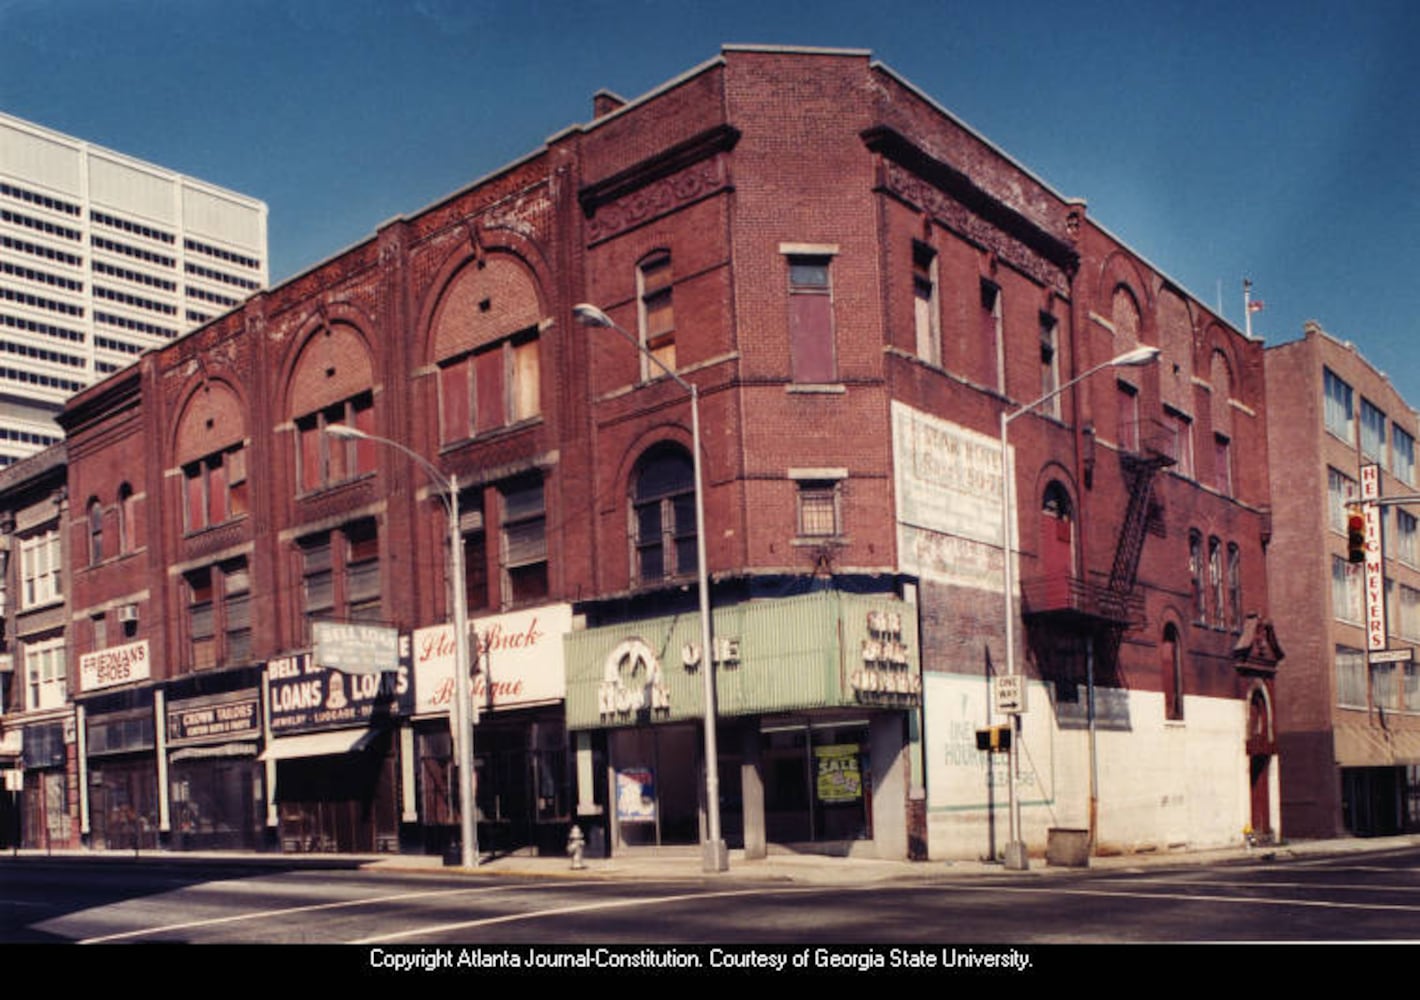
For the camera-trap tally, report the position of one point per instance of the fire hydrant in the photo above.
(576, 842)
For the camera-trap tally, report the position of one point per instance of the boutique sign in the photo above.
(305, 695)
(517, 660)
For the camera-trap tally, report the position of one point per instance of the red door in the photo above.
(1056, 556)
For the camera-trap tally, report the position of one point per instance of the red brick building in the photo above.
(858, 286)
(1348, 717)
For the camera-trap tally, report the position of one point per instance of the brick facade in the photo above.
(795, 195)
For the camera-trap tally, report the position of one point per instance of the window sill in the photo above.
(491, 435)
(816, 388)
(327, 488)
(814, 541)
(194, 533)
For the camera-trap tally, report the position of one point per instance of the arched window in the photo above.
(1171, 662)
(663, 515)
(96, 532)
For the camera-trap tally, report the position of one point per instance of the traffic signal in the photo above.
(1355, 537)
(994, 739)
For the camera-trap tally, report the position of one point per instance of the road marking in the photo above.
(309, 908)
(621, 904)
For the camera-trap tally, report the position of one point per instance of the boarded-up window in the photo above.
(657, 313)
(811, 346)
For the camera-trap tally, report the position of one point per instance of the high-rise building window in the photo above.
(818, 508)
(1350, 677)
(96, 532)
(1402, 455)
(1340, 415)
(1223, 464)
(1181, 427)
(1340, 490)
(1215, 581)
(1235, 601)
(1346, 593)
(1372, 431)
(46, 673)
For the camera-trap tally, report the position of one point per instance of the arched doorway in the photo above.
(1057, 545)
(1261, 746)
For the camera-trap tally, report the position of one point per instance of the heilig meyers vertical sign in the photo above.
(1375, 559)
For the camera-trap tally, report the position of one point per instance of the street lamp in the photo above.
(462, 713)
(1015, 857)
(715, 857)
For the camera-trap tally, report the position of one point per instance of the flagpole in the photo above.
(1247, 307)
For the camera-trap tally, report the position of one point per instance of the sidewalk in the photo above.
(821, 869)
(780, 865)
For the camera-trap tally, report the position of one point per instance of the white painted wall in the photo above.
(1162, 785)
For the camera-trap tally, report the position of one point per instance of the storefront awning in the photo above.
(219, 750)
(319, 744)
(1364, 744)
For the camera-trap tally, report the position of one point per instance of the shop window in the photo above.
(340, 575)
(491, 388)
(41, 568)
(656, 314)
(663, 516)
(219, 615)
(811, 347)
(926, 310)
(215, 489)
(46, 674)
(326, 460)
(524, 541)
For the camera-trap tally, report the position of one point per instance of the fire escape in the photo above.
(1114, 605)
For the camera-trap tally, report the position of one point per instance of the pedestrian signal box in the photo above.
(1355, 538)
(994, 739)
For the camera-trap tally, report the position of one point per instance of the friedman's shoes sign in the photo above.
(115, 665)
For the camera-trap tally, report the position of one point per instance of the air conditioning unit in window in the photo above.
(128, 613)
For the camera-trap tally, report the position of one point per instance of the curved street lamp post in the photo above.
(715, 857)
(463, 714)
(1015, 855)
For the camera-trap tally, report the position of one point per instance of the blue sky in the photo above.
(1220, 140)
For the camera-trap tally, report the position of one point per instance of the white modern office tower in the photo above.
(102, 257)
